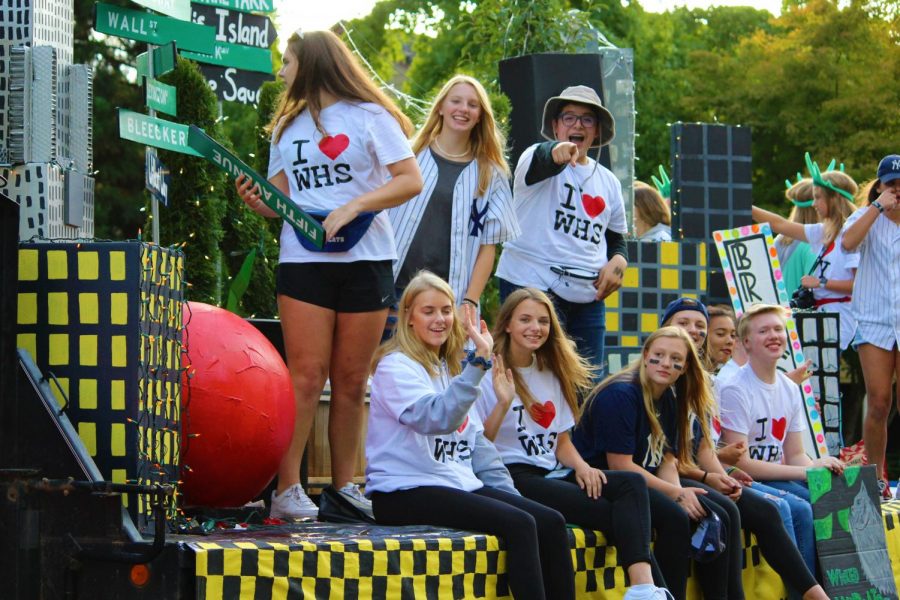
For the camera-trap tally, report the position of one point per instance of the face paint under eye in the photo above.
(678, 366)
(701, 332)
(653, 361)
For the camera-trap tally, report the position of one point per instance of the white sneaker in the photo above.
(647, 591)
(351, 493)
(293, 503)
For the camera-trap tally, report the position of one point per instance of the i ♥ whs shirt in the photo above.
(325, 172)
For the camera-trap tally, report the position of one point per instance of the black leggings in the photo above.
(538, 558)
(728, 583)
(673, 539)
(622, 512)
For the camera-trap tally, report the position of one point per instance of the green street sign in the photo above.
(180, 9)
(164, 58)
(260, 6)
(246, 58)
(160, 96)
(151, 131)
(153, 29)
(215, 153)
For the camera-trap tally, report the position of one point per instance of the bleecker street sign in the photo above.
(283, 206)
(236, 27)
(163, 61)
(160, 96)
(151, 131)
(180, 9)
(260, 6)
(235, 55)
(153, 29)
(231, 85)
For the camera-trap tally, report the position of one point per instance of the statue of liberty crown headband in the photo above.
(816, 174)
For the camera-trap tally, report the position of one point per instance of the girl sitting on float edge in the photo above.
(529, 417)
(428, 461)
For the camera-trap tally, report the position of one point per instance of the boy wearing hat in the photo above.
(572, 210)
(875, 232)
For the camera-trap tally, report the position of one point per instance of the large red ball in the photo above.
(237, 409)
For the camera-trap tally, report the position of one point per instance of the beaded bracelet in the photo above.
(478, 361)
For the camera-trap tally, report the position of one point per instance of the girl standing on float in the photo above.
(339, 147)
(428, 461)
(465, 208)
(875, 232)
(529, 418)
(832, 281)
(795, 256)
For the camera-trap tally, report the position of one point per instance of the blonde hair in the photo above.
(802, 191)
(756, 310)
(325, 64)
(649, 205)
(486, 141)
(692, 389)
(557, 354)
(839, 207)
(407, 342)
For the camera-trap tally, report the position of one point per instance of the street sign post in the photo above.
(283, 206)
(153, 29)
(151, 131)
(156, 177)
(259, 6)
(236, 27)
(232, 85)
(164, 59)
(159, 96)
(235, 55)
(180, 9)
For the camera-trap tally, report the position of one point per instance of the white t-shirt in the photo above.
(398, 458)
(764, 412)
(835, 264)
(563, 220)
(327, 172)
(520, 439)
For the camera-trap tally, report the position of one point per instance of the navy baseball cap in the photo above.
(889, 168)
(681, 304)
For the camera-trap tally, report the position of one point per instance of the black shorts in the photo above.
(361, 286)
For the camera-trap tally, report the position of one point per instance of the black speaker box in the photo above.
(531, 80)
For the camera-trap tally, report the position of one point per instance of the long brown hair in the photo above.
(486, 141)
(650, 206)
(692, 389)
(325, 64)
(408, 343)
(557, 354)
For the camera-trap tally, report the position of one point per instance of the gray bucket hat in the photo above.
(580, 94)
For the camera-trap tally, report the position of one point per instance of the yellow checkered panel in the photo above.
(657, 273)
(325, 561)
(106, 320)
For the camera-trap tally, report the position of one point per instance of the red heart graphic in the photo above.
(593, 205)
(333, 146)
(463, 426)
(717, 426)
(543, 414)
(778, 427)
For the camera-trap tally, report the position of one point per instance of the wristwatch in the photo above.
(822, 281)
(878, 205)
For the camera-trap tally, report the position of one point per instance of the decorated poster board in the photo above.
(753, 274)
(850, 538)
(820, 338)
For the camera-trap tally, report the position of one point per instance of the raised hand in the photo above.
(503, 382)
(478, 332)
(565, 152)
